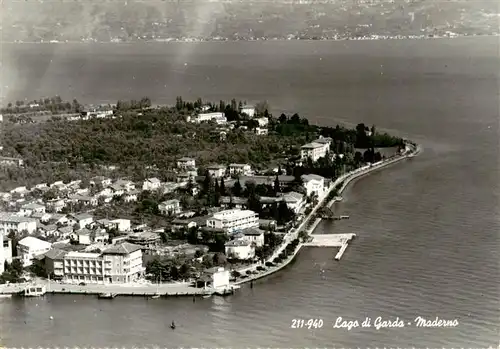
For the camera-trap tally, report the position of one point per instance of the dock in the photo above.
(331, 240)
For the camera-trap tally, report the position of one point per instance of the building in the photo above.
(121, 224)
(263, 122)
(170, 207)
(239, 249)
(100, 180)
(83, 267)
(233, 220)
(82, 220)
(254, 236)
(7, 250)
(54, 263)
(186, 163)
(29, 247)
(260, 131)
(55, 205)
(123, 263)
(85, 200)
(11, 222)
(220, 278)
(294, 201)
(151, 184)
(240, 169)
(249, 110)
(145, 239)
(229, 202)
(28, 209)
(316, 149)
(8, 161)
(314, 184)
(217, 171)
(118, 264)
(218, 117)
(313, 151)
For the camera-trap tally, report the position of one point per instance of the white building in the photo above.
(123, 263)
(294, 201)
(170, 207)
(186, 163)
(243, 169)
(239, 249)
(313, 151)
(115, 265)
(83, 267)
(28, 209)
(314, 184)
(30, 247)
(217, 171)
(263, 122)
(259, 131)
(249, 110)
(82, 220)
(121, 224)
(221, 278)
(234, 220)
(7, 250)
(218, 117)
(254, 236)
(11, 222)
(151, 184)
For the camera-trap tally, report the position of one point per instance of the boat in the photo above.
(344, 217)
(34, 291)
(172, 325)
(207, 296)
(156, 296)
(5, 296)
(107, 295)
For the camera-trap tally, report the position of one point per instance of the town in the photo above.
(200, 221)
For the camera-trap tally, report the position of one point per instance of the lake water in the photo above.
(428, 228)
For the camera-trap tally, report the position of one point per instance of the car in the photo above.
(82, 284)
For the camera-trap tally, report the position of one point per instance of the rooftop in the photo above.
(185, 159)
(32, 242)
(55, 253)
(32, 205)
(9, 217)
(310, 177)
(124, 248)
(75, 254)
(234, 214)
(312, 145)
(238, 243)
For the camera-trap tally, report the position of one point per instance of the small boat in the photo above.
(107, 295)
(156, 296)
(344, 217)
(34, 291)
(172, 325)
(207, 296)
(5, 296)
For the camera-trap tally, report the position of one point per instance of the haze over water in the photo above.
(428, 229)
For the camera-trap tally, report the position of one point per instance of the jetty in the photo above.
(331, 240)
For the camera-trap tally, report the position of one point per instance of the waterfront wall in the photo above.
(345, 180)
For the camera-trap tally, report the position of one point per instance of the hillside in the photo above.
(105, 21)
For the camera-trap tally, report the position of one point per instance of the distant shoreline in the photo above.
(196, 41)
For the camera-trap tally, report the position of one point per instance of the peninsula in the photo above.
(188, 199)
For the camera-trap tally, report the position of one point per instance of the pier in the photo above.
(331, 240)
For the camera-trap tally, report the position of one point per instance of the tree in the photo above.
(237, 188)
(222, 188)
(277, 187)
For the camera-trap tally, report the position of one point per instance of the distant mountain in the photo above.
(102, 20)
